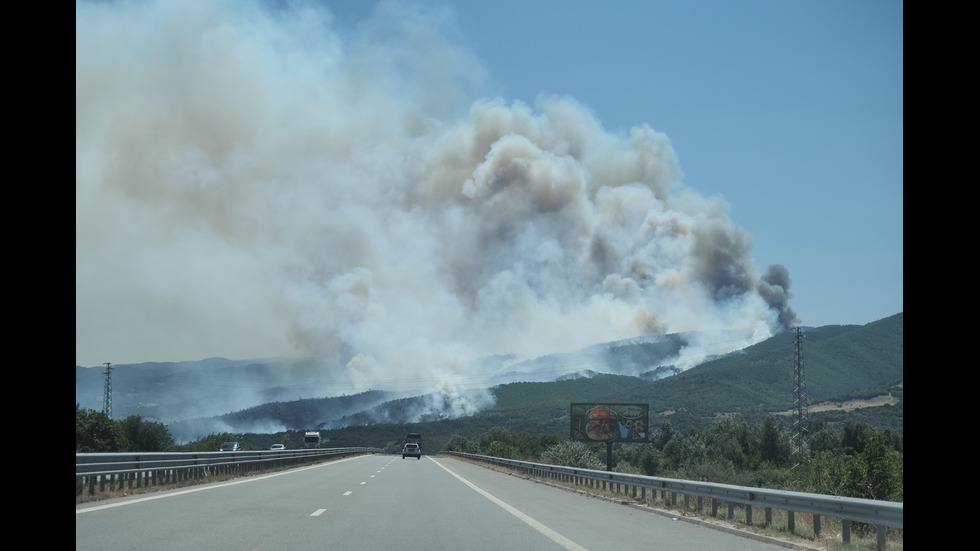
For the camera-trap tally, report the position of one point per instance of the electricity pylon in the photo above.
(107, 394)
(801, 427)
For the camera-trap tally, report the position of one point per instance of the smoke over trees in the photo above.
(254, 183)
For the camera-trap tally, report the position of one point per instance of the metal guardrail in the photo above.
(880, 513)
(155, 468)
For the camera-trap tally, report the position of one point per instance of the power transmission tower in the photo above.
(800, 408)
(107, 395)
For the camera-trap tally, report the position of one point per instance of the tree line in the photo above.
(96, 432)
(849, 459)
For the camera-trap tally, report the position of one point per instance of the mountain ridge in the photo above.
(844, 361)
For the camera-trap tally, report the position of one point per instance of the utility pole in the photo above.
(107, 394)
(800, 408)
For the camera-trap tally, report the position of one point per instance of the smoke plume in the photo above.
(252, 180)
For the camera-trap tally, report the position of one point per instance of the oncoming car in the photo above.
(230, 447)
(412, 450)
(277, 447)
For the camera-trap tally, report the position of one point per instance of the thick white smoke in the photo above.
(253, 181)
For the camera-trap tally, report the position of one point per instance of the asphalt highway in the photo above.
(386, 502)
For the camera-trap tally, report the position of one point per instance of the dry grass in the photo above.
(123, 490)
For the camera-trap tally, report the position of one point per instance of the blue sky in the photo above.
(363, 181)
(793, 111)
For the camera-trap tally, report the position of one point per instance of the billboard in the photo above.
(605, 422)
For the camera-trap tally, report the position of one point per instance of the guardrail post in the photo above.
(748, 514)
(791, 521)
(882, 536)
(768, 516)
(845, 530)
(816, 525)
(731, 510)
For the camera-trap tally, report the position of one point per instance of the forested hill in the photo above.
(841, 363)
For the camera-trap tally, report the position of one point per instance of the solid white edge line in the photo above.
(551, 534)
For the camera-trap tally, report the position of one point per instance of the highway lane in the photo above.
(385, 502)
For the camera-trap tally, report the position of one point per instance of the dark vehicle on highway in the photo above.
(230, 447)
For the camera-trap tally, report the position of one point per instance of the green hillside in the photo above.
(841, 363)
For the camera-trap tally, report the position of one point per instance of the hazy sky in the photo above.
(424, 183)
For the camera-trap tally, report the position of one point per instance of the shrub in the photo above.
(570, 453)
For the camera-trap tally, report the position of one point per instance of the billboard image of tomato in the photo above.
(602, 422)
